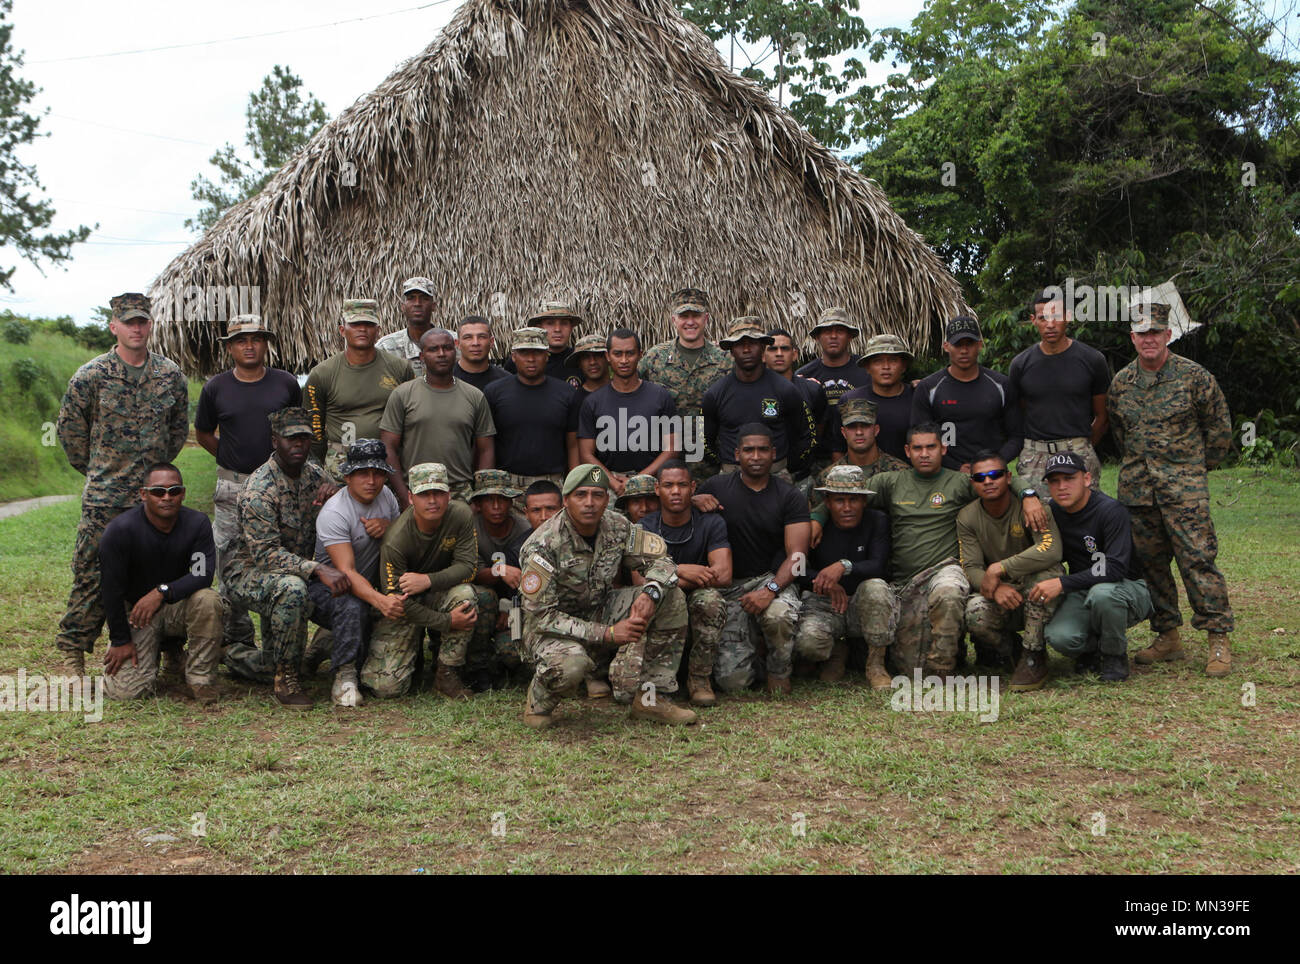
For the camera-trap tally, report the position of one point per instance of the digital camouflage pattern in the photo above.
(395, 643)
(993, 628)
(919, 619)
(399, 343)
(735, 667)
(820, 627)
(707, 612)
(1184, 533)
(1032, 463)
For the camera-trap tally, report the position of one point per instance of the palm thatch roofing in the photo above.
(598, 151)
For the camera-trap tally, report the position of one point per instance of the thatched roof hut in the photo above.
(594, 149)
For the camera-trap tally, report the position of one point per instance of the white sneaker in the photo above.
(345, 691)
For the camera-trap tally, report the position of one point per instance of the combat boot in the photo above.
(833, 668)
(534, 716)
(778, 684)
(345, 691)
(74, 662)
(206, 693)
(701, 691)
(171, 677)
(288, 691)
(1031, 672)
(877, 675)
(1166, 646)
(1114, 669)
(662, 710)
(1220, 661)
(448, 683)
(598, 689)
(318, 650)
(943, 666)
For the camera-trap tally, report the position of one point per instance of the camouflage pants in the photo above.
(992, 627)
(821, 627)
(225, 528)
(1098, 618)
(490, 648)
(198, 618)
(734, 666)
(395, 643)
(708, 614)
(1034, 456)
(563, 662)
(919, 619)
(1164, 533)
(284, 604)
(84, 618)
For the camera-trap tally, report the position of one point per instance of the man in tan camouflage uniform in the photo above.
(1172, 425)
(571, 608)
(688, 364)
(417, 309)
(123, 411)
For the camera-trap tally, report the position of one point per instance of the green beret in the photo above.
(585, 475)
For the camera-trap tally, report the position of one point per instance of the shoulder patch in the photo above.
(640, 542)
(536, 575)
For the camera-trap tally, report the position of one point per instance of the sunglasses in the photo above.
(988, 476)
(158, 491)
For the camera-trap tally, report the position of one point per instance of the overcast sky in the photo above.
(129, 133)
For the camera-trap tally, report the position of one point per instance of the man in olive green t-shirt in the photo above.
(1002, 560)
(427, 559)
(345, 395)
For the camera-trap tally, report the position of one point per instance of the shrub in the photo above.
(17, 333)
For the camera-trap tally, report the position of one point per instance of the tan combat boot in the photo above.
(701, 690)
(288, 691)
(598, 689)
(535, 717)
(448, 683)
(778, 684)
(205, 694)
(1167, 646)
(1220, 661)
(833, 668)
(1030, 672)
(661, 710)
(877, 675)
(74, 662)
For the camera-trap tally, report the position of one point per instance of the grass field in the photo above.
(1167, 773)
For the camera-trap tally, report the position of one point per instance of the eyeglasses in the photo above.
(987, 476)
(158, 491)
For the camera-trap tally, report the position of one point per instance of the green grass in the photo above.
(1186, 778)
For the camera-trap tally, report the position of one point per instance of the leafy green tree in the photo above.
(23, 218)
(280, 120)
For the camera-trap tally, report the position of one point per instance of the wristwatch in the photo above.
(163, 588)
(653, 591)
(1025, 492)
(847, 564)
(771, 586)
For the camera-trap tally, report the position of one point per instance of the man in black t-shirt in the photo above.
(753, 393)
(231, 424)
(557, 319)
(836, 370)
(973, 405)
(768, 528)
(885, 360)
(1062, 385)
(697, 542)
(473, 345)
(780, 356)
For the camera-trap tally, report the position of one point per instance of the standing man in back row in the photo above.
(836, 369)
(417, 309)
(1061, 384)
(557, 319)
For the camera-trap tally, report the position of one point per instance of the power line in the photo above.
(128, 130)
(119, 207)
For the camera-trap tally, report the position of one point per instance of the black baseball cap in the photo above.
(962, 328)
(1065, 463)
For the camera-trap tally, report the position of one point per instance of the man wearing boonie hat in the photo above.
(1101, 597)
(638, 498)
(572, 610)
(346, 393)
(500, 534)
(231, 424)
(885, 358)
(123, 411)
(557, 319)
(427, 561)
(590, 362)
(1172, 425)
(416, 305)
(273, 558)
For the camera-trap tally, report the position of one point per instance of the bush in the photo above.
(16, 333)
(96, 337)
(65, 326)
(28, 373)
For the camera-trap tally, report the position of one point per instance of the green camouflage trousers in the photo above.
(734, 666)
(225, 527)
(284, 605)
(1164, 533)
(395, 643)
(1033, 459)
(708, 614)
(563, 662)
(84, 617)
(821, 627)
(490, 648)
(919, 619)
(990, 626)
(198, 618)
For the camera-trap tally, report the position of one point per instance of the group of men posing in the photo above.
(762, 518)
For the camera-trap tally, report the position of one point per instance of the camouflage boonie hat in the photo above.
(586, 345)
(845, 480)
(493, 482)
(246, 325)
(740, 329)
(360, 311)
(638, 485)
(754, 320)
(417, 284)
(833, 317)
(688, 299)
(1152, 316)
(528, 339)
(366, 453)
(584, 475)
(288, 422)
(428, 476)
(857, 411)
(131, 305)
(555, 310)
(884, 345)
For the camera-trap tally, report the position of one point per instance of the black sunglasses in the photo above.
(987, 476)
(158, 491)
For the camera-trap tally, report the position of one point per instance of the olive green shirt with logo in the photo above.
(338, 393)
(448, 556)
(985, 539)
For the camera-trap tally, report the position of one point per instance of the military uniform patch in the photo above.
(936, 498)
(770, 408)
(531, 583)
(640, 542)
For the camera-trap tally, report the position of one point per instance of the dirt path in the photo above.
(8, 509)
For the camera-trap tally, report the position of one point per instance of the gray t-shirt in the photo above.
(339, 521)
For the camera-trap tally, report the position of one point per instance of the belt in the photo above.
(1056, 445)
(230, 475)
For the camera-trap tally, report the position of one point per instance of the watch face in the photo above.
(772, 586)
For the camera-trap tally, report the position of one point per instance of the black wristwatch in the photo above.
(653, 591)
(1025, 492)
(163, 588)
(772, 586)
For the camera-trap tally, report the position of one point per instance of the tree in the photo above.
(804, 37)
(280, 121)
(23, 219)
